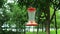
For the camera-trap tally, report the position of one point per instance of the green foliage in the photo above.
(1, 3)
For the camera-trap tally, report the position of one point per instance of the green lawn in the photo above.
(51, 32)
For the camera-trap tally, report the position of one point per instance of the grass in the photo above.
(40, 32)
(51, 32)
(35, 33)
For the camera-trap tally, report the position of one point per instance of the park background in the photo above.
(13, 16)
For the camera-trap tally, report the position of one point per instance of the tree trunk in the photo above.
(37, 28)
(1, 30)
(55, 19)
(42, 26)
(47, 18)
(24, 30)
(47, 28)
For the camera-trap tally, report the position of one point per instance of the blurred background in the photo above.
(14, 16)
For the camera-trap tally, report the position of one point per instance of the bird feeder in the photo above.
(31, 15)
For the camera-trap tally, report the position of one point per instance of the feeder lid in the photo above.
(31, 23)
(31, 9)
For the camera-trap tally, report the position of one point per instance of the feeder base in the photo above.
(31, 23)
